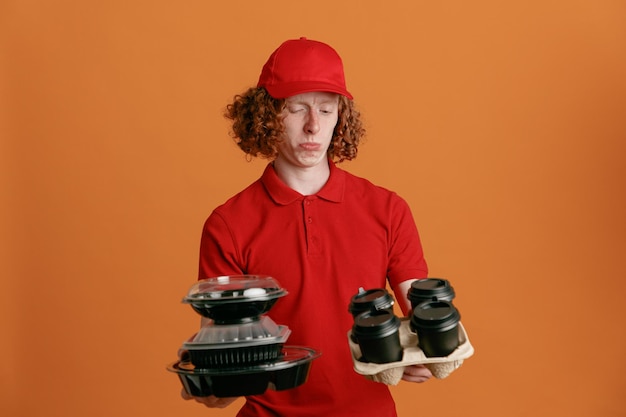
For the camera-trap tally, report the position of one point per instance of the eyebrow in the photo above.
(329, 101)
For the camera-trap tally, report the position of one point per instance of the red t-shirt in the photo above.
(321, 249)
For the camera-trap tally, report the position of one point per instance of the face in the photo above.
(309, 120)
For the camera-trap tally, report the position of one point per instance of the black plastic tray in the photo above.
(289, 371)
(235, 356)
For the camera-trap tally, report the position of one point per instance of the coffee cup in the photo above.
(377, 333)
(428, 289)
(436, 324)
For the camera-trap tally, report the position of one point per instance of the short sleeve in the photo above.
(218, 251)
(406, 256)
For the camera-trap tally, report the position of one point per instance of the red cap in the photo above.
(302, 66)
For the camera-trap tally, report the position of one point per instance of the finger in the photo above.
(417, 370)
(417, 373)
(224, 402)
(185, 395)
(211, 401)
(215, 402)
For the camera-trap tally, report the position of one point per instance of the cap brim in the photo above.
(285, 90)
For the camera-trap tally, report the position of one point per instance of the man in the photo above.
(319, 231)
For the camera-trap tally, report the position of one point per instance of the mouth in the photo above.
(310, 146)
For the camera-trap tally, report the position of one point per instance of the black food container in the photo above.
(221, 346)
(240, 351)
(234, 299)
(289, 371)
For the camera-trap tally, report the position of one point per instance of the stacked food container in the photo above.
(239, 350)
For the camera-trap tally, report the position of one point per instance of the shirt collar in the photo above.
(282, 194)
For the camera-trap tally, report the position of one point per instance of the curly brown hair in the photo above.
(258, 128)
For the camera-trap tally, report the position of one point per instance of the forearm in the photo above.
(400, 291)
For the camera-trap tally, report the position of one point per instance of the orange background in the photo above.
(501, 123)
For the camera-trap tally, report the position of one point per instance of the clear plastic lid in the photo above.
(234, 299)
(258, 332)
(234, 288)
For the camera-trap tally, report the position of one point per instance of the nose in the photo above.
(312, 124)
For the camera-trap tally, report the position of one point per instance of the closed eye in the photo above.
(295, 109)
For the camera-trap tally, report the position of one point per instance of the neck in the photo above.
(305, 180)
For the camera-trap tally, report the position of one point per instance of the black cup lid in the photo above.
(374, 299)
(374, 324)
(435, 315)
(431, 288)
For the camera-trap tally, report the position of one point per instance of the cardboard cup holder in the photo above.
(391, 373)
